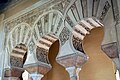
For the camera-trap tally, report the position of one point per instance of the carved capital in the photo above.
(75, 59)
(110, 50)
(39, 68)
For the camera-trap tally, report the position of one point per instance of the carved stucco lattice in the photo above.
(42, 55)
(64, 35)
(32, 47)
(15, 63)
(110, 50)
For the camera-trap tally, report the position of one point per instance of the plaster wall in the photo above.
(98, 67)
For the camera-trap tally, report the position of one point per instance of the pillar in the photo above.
(111, 50)
(71, 60)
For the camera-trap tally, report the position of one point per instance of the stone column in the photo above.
(73, 64)
(73, 72)
(72, 60)
(15, 66)
(116, 11)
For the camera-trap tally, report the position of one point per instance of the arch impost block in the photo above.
(76, 59)
(13, 72)
(38, 67)
(110, 49)
(82, 29)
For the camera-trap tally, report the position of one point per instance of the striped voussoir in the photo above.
(42, 51)
(18, 56)
(82, 29)
(43, 47)
(78, 58)
(85, 26)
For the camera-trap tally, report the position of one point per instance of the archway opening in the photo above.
(99, 66)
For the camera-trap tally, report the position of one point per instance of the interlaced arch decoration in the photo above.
(17, 44)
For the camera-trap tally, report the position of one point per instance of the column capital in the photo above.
(12, 73)
(39, 68)
(73, 60)
(111, 50)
